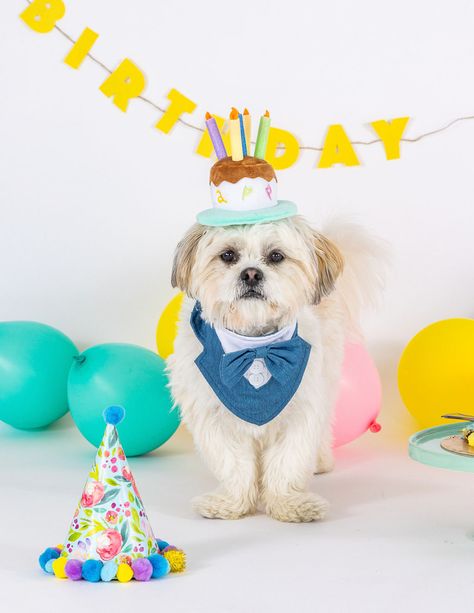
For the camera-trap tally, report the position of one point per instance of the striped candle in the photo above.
(242, 135)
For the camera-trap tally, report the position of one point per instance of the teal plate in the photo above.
(425, 447)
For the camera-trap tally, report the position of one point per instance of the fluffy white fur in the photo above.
(322, 282)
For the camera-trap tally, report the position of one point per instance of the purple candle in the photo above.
(216, 137)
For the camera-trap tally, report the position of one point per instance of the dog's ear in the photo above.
(330, 265)
(184, 258)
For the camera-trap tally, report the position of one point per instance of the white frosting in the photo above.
(258, 373)
(245, 195)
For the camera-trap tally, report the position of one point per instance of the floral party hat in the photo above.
(110, 536)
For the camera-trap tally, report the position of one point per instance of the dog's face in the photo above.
(254, 278)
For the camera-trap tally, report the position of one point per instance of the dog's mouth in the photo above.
(252, 293)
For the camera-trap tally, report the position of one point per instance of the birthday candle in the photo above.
(235, 139)
(247, 128)
(243, 138)
(262, 136)
(216, 137)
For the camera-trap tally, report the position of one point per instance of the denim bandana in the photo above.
(285, 360)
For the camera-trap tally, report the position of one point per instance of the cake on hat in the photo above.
(110, 536)
(243, 187)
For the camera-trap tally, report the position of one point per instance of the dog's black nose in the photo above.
(251, 276)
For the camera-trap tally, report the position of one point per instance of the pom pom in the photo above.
(48, 567)
(109, 571)
(114, 414)
(161, 566)
(59, 565)
(142, 569)
(91, 570)
(124, 572)
(161, 544)
(73, 569)
(177, 560)
(169, 548)
(51, 553)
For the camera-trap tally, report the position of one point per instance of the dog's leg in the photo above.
(232, 459)
(286, 467)
(325, 455)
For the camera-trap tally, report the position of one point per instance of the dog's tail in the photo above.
(366, 259)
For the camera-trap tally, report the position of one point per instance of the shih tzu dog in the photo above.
(269, 305)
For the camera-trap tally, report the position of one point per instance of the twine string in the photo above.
(188, 124)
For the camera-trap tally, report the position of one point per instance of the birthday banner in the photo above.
(279, 147)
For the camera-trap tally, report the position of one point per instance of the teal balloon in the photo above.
(34, 365)
(129, 376)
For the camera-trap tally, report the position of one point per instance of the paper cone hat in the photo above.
(110, 535)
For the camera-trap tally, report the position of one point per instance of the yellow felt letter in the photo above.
(127, 81)
(390, 133)
(179, 104)
(281, 139)
(337, 149)
(81, 48)
(205, 147)
(42, 15)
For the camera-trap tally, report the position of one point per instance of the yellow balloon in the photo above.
(436, 371)
(168, 326)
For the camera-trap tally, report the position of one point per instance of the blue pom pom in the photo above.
(161, 544)
(109, 571)
(48, 567)
(114, 414)
(51, 553)
(161, 566)
(91, 570)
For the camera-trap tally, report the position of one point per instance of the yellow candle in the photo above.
(235, 139)
(247, 129)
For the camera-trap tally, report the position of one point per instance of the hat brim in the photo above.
(225, 217)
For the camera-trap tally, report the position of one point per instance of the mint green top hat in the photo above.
(244, 192)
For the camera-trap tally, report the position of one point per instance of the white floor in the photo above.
(397, 538)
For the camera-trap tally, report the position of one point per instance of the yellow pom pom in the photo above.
(59, 565)
(60, 547)
(176, 559)
(124, 572)
(470, 439)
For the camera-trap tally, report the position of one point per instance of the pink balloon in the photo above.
(360, 396)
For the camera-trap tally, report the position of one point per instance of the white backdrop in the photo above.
(93, 201)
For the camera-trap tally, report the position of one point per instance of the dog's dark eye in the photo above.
(275, 257)
(229, 256)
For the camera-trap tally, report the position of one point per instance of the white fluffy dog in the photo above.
(255, 280)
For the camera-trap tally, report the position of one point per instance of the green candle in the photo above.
(262, 136)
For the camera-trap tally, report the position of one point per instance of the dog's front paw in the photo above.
(304, 507)
(218, 505)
